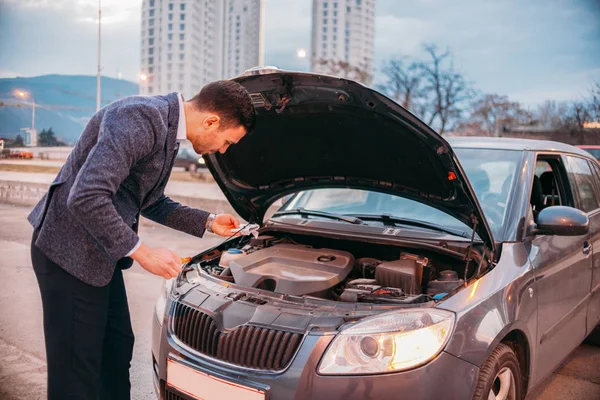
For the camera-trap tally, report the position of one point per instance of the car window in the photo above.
(596, 170)
(545, 191)
(542, 166)
(582, 180)
(491, 173)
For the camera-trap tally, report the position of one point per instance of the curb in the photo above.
(29, 194)
(22, 193)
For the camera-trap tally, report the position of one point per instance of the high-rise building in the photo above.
(242, 36)
(187, 44)
(343, 37)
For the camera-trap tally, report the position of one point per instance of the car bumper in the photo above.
(446, 377)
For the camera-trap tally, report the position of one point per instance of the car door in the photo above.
(563, 278)
(593, 317)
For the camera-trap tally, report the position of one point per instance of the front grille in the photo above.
(248, 346)
(170, 394)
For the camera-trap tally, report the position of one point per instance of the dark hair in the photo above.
(229, 100)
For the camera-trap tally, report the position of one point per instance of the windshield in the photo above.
(489, 171)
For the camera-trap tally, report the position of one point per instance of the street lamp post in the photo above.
(32, 133)
(98, 99)
(32, 113)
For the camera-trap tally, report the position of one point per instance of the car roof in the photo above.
(474, 142)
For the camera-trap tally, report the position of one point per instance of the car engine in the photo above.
(290, 268)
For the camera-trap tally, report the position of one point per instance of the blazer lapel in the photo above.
(171, 147)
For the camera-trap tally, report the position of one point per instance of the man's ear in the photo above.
(212, 121)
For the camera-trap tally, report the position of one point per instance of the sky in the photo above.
(529, 50)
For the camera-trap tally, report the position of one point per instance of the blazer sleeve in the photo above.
(174, 215)
(126, 135)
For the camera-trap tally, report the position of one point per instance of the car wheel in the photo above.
(500, 376)
(594, 337)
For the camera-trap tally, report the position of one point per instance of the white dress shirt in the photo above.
(181, 135)
(181, 126)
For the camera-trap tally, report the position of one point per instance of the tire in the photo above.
(500, 376)
(594, 337)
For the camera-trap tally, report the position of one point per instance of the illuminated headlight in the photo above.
(389, 342)
(201, 160)
(161, 303)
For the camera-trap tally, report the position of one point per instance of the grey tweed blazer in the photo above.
(118, 169)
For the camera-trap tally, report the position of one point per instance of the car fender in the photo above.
(493, 306)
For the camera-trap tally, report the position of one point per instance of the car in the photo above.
(188, 159)
(430, 269)
(593, 150)
(21, 154)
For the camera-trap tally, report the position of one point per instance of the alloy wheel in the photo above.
(503, 387)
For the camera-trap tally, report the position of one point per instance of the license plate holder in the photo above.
(202, 386)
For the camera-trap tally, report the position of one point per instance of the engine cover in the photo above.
(292, 269)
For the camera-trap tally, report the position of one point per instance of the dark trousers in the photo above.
(89, 340)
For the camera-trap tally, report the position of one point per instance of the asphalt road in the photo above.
(22, 358)
(22, 351)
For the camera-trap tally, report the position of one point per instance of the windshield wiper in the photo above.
(392, 220)
(323, 214)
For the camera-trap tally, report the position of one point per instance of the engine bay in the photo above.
(343, 271)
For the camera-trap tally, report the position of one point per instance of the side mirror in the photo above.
(562, 221)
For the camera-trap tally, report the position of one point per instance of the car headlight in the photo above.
(389, 342)
(201, 160)
(161, 303)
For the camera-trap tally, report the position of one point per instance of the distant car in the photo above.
(188, 159)
(593, 150)
(429, 270)
(21, 154)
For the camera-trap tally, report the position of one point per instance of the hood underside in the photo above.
(317, 131)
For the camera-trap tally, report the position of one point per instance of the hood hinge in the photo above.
(468, 257)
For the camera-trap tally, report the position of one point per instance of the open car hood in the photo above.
(317, 131)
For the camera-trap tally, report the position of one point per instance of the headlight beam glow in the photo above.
(404, 339)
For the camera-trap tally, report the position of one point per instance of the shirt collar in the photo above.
(181, 127)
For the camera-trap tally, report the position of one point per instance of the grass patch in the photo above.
(29, 168)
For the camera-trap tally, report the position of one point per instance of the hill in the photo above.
(63, 102)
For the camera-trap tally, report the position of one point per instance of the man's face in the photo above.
(211, 136)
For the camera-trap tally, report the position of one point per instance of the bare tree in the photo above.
(594, 102)
(550, 114)
(404, 82)
(493, 113)
(433, 90)
(577, 115)
(581, 112)
(448, 90)
(345, 70)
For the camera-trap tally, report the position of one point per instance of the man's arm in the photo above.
(126, 135)
(174, 215)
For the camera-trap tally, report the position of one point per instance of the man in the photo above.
(85, 227)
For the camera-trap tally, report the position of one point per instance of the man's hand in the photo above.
(162, 262)
(224, 223)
